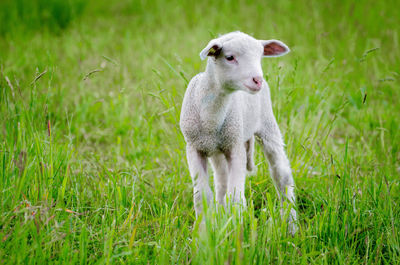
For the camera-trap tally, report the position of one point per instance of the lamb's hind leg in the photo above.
(273, 146)
(250, 154)
(220, 166)
(198, 171)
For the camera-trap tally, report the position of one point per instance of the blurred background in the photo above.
(92, 162)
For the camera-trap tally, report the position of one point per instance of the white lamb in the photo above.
(224, 108)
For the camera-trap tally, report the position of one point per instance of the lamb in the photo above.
(224, 110)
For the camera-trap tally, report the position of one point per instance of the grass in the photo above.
(92, 161)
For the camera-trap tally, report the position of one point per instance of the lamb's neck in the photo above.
(215, 104)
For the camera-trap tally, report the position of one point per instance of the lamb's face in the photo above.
(238, 66)
(237, 60)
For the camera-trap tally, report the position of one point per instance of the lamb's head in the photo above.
(235, 59)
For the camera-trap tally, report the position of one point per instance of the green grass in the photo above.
(92, 161)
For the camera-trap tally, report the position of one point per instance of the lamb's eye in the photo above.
(230, 58)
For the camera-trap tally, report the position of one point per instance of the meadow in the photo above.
(92, 160)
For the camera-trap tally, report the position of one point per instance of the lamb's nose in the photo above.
(258, 80)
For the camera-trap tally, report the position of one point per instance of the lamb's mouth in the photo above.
(252, 88)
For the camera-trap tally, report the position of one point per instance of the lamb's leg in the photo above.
(237, 174)
(250, 154)
(198, 171)
(220, 167)
(273, 146)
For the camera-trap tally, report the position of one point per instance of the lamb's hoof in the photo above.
(291, 221)
(292, 228)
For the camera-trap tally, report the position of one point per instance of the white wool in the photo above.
(224, 109)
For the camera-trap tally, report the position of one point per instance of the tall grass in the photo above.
(92, 162)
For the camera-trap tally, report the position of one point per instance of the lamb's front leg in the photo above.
(198, 171)
(221, 173)
(273, 146)
(237, 174)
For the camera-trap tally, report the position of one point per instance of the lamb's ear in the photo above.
(213, 48)
(274, 48)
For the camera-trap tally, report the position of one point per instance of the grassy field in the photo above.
(92, 161)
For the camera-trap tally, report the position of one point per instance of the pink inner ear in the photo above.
(273, 48)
